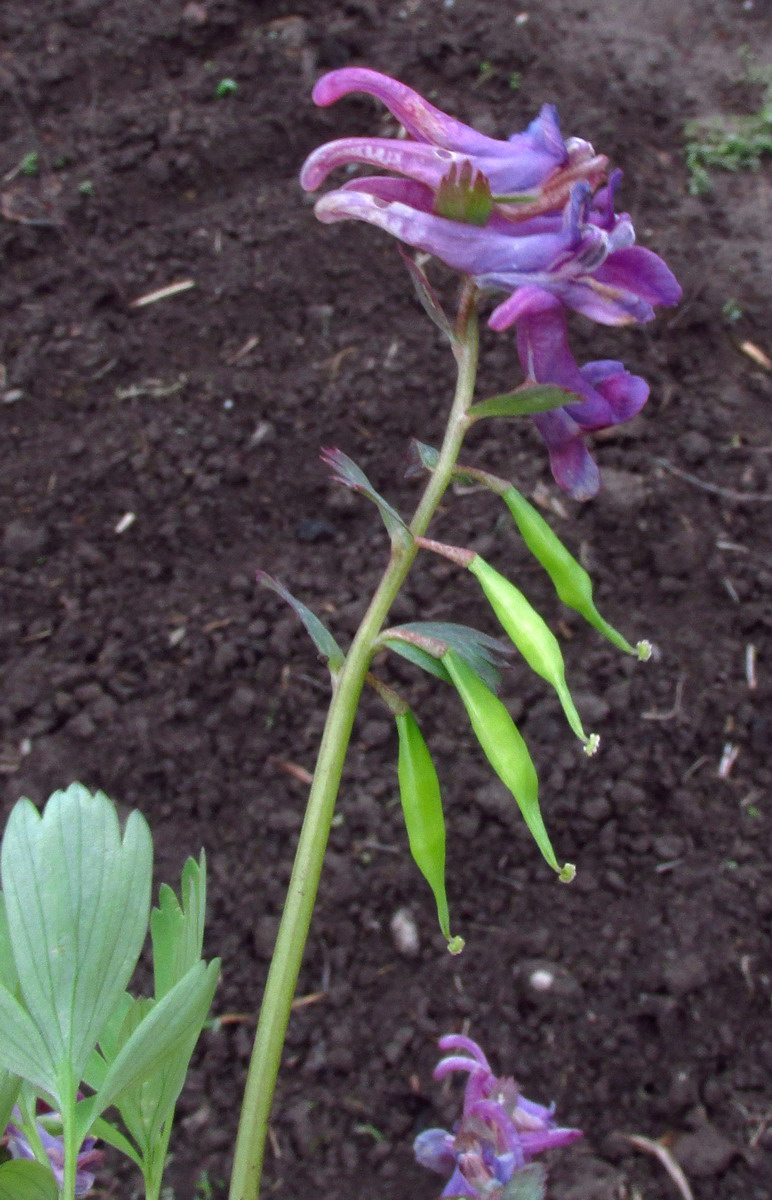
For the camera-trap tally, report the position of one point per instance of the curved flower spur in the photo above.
(522, 216)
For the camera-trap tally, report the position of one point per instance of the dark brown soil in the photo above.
(145, 661)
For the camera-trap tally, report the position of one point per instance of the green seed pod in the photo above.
(419, 790)
(533, 638)
(506, 751)
(572, 583)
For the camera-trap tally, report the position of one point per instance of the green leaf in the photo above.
(9, 1082)
(147, 1107)
(78, 901)
(113, 1137)
(161, 1034)
(318, 632)
(9, 1090)
(177, 927)
(23, 1050)
(532, 398)
(345, 471)
(9, 976)
(22, 1180)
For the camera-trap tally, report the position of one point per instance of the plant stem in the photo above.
(303, 885)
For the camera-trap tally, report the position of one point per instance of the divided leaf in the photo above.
(163, 1032)
(177, 927)
(23, 1049)
(78, 900)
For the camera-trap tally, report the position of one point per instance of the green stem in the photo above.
(71, 1148)
(303, 885)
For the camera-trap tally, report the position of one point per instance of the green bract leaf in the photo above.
(78, 900)
(483, 653)
(464, 194)
(177, 929)
(505, 750)
(23, 1050)
(162, 1033)
(346, 471)
(420, 658)
(427, 455)
(21, 1180)
(529, 399)
(319, 633)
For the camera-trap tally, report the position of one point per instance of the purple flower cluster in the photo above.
(550, 237)
(88, 1157)
(499, 1131)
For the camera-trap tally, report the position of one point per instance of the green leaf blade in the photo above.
(532, 398)
(78, 901)
(22, 1180)
(161, 1034)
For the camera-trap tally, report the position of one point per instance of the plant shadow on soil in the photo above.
(140, 657)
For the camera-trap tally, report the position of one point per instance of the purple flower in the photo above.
(518, 216)
(538, 161)
(19, 1147)
(606, 393)
(499, 1131)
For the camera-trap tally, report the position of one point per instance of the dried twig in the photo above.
(171, 289)
(655, 715)
(665, 1157)
(713, 488)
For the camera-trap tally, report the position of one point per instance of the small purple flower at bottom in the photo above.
(499, 1131)
(88, 1157)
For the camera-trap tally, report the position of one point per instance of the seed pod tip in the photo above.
(591, 745)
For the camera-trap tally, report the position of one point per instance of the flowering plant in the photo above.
(534, 217)
(498, 1134)
(520, 216)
